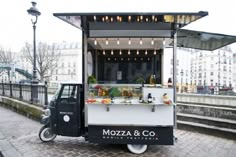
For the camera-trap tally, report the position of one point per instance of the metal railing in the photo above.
(23, 92)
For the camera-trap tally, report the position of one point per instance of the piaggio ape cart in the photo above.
(123, 98)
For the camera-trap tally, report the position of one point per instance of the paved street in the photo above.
(19, 138)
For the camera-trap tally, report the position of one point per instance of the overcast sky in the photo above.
(16, 27)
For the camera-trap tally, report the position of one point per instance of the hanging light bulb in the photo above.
(118, 41)
(137, 52)
(94, 18)
(129, 52)
(152, 42)
(164, 42)
(146, 52)
(104, 53)
(95, 42)
(148, 58)
(128, 59)
(108, 58)
(120, 52)
(129, 18)
(112, 52)
(141, 59)
(122, 59)
(135, 59)
(141, 18)
(129, 41)
(153, 17)
(155, 52)
(141, 41)
(111, 19)
(107, 42)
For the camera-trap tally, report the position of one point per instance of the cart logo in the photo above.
(66, 118)
(127, 134)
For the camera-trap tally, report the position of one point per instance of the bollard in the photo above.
(10, 89)
(3, 92)
(21, 96)
(46, 93)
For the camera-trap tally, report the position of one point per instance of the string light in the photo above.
(155, 52)
(129, 52)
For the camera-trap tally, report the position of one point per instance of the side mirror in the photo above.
(52, 103)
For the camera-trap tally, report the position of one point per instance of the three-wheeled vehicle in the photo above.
(123, 98)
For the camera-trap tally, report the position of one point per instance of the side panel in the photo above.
(131, 134)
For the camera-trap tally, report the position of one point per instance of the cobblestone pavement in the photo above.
(19, 138)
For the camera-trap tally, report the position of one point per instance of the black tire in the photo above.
(46, 135)
(137, 148)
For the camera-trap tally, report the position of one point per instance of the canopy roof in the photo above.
(203, 40)
(147, 25)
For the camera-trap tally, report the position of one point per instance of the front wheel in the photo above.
(46, 135)
(137, 148)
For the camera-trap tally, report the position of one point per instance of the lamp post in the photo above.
(34, 12)
(182, 74)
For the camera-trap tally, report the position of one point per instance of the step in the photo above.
(207, 129)
(206, 110)
(212, 121)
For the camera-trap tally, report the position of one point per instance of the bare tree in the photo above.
(7, 58)
(47, 57)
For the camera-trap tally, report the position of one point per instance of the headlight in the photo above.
(47, 112)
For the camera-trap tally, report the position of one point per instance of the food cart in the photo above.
(122, 98)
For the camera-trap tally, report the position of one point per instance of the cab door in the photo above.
(68, 109)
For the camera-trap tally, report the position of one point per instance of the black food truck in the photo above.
(123, 98)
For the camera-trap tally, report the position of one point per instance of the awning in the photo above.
(203, 40)
(105, 25)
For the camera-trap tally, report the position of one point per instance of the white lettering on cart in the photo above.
(116, 132)
(148, 133)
